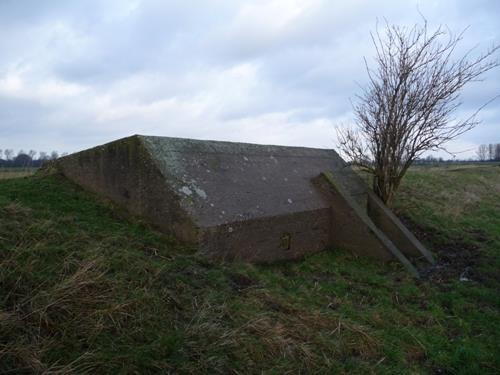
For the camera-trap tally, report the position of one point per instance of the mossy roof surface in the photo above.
(223, 182)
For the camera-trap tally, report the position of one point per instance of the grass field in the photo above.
(83, 290)
(6, 173)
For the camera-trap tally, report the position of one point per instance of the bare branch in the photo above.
(407, 106)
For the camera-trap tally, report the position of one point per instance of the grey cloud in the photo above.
(269, 71)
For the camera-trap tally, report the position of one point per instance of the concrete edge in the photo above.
(394, 220)
(370, 224)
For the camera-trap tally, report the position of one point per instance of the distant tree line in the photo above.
(484, 153)
(490, 152)
(481, 157)
(22, 159)
(431, 160)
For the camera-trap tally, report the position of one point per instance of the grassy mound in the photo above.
(84, 290)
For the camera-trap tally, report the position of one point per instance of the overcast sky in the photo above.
(74, 74)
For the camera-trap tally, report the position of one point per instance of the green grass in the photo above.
(84, 290)
(6, 173)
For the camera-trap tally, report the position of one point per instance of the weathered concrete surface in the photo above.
(353, 229)
(393, 228)
(222, 182)
(124, 172)
(234, 200)
(246, 198)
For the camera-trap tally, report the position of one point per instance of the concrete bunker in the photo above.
(257, 203)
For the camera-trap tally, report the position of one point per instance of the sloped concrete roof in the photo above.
(221, 182)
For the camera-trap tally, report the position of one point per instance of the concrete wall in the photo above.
(348, 229)
(393, 228)
(270, 238)
(124, 172)
(353, 229)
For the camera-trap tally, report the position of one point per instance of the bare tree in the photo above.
(407, 105)
(497, 152)
(9, 153)
(491, 151)
(482, 152)
(54, 155)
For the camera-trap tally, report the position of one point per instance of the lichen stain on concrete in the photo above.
(186, 190)
(200, 192)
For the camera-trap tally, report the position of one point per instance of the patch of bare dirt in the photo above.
(455, 258)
